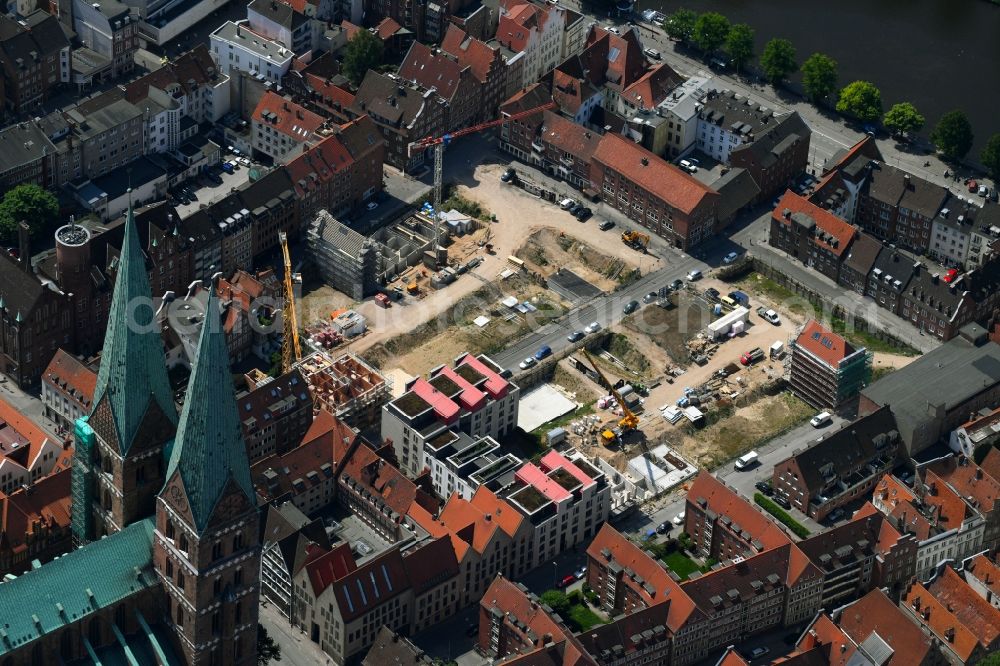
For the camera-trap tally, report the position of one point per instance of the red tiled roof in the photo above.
(387, 28)
(620, 56)
(195, 66)
(384, 480)
(931, 613)
(331, 93)
(432, 70)
(630, 556)
(823, 633)
(991, 463)
(373, 583)
(46, 506)
(971, 610)
(71, 376)
(842, 232)
(350, 29)
(514, 28)
(21, 439)
(510, 600)
(653, 87)
(824, 344)
(319, 164)
(952, 509)
(567, 136)
(287, 117)
(986, 572)
(968, 480)
(469, 51)
(876, 613)
(502, 513)
(652, 173)
(328, 567)
(732, 658)
(430, 564)
(723, 500)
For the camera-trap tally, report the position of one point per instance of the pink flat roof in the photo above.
(495, 385)
(533, 476)
(470, 396)
(553, 460)
(444, 407)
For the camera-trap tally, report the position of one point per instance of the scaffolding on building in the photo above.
(345, 386)
(853, 374)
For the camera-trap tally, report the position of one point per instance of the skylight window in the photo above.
(613, 53)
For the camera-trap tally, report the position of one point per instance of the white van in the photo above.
(746, 461)
(821, 419)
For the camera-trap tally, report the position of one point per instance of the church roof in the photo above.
(76, 585)
(209, 449)
(133, 372)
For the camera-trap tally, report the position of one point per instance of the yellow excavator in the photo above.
(636, 240)
(629, 420)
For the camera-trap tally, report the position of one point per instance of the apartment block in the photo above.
(35, 58)
(460, 463)
(110, 29)
(471, 397)
(68, 389)
(981, 491)
(235, 46)
(982, 574)
(841, 467)
(827, 371)
(565, 500)
(810, 234)
(723, 525)
(276, 415)
(290, 540)
(625, 578)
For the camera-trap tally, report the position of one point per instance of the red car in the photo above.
(950, 275)
(567, 581)
(973, 186)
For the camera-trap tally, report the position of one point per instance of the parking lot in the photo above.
(207, 192)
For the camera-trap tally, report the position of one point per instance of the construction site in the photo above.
(345, 386)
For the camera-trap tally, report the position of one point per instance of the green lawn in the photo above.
(681, 564)
(565, 419)
(584, 618)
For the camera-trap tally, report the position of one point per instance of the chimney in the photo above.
(24, 245)
(949, 634)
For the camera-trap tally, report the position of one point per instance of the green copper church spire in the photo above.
(133, 373)
(209, 450)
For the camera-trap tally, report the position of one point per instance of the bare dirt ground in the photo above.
(547, 250)
(517, 214)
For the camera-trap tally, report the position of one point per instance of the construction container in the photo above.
(721, 327)
(382, 301)
(556, 436)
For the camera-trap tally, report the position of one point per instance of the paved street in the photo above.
(296, 648)
(753, 237)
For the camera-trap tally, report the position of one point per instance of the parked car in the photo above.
(730, 258)
(575, 335)
(747, 461)
(652, 53)
(508, 175)
(567, 580)
(764, 487)
(630, 307)
(758, 652)
(694, 275)
(527, 363)
(983, 191)
(566, 204)
(664, 527)
(543, 352)
(836, 514)
(649, 298)
(782, 501)
(677, 284)
(592, 328)
(753, 356)
(678, 519)
(583, 213)
(688, 166)
(821, 419)
(580, 573)
(372, 205)
(712, 294)
(950, 275)
(973, 186)
(605, 225)
(772, 317)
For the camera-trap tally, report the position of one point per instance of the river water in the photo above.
(938, 54)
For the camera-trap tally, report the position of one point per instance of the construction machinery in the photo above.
(440, 142)
(628, 422)
(636, 240)
(290, 346)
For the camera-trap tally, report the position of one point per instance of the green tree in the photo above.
(27, 203)
(710, 31)
(739, 44)
(953, 135)
(862, 100)
(778, 60)
(990, 157)
(819, 76)
(903, 118)
(267, 649)
(364, 52)
(680, 25)
(556, 600)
